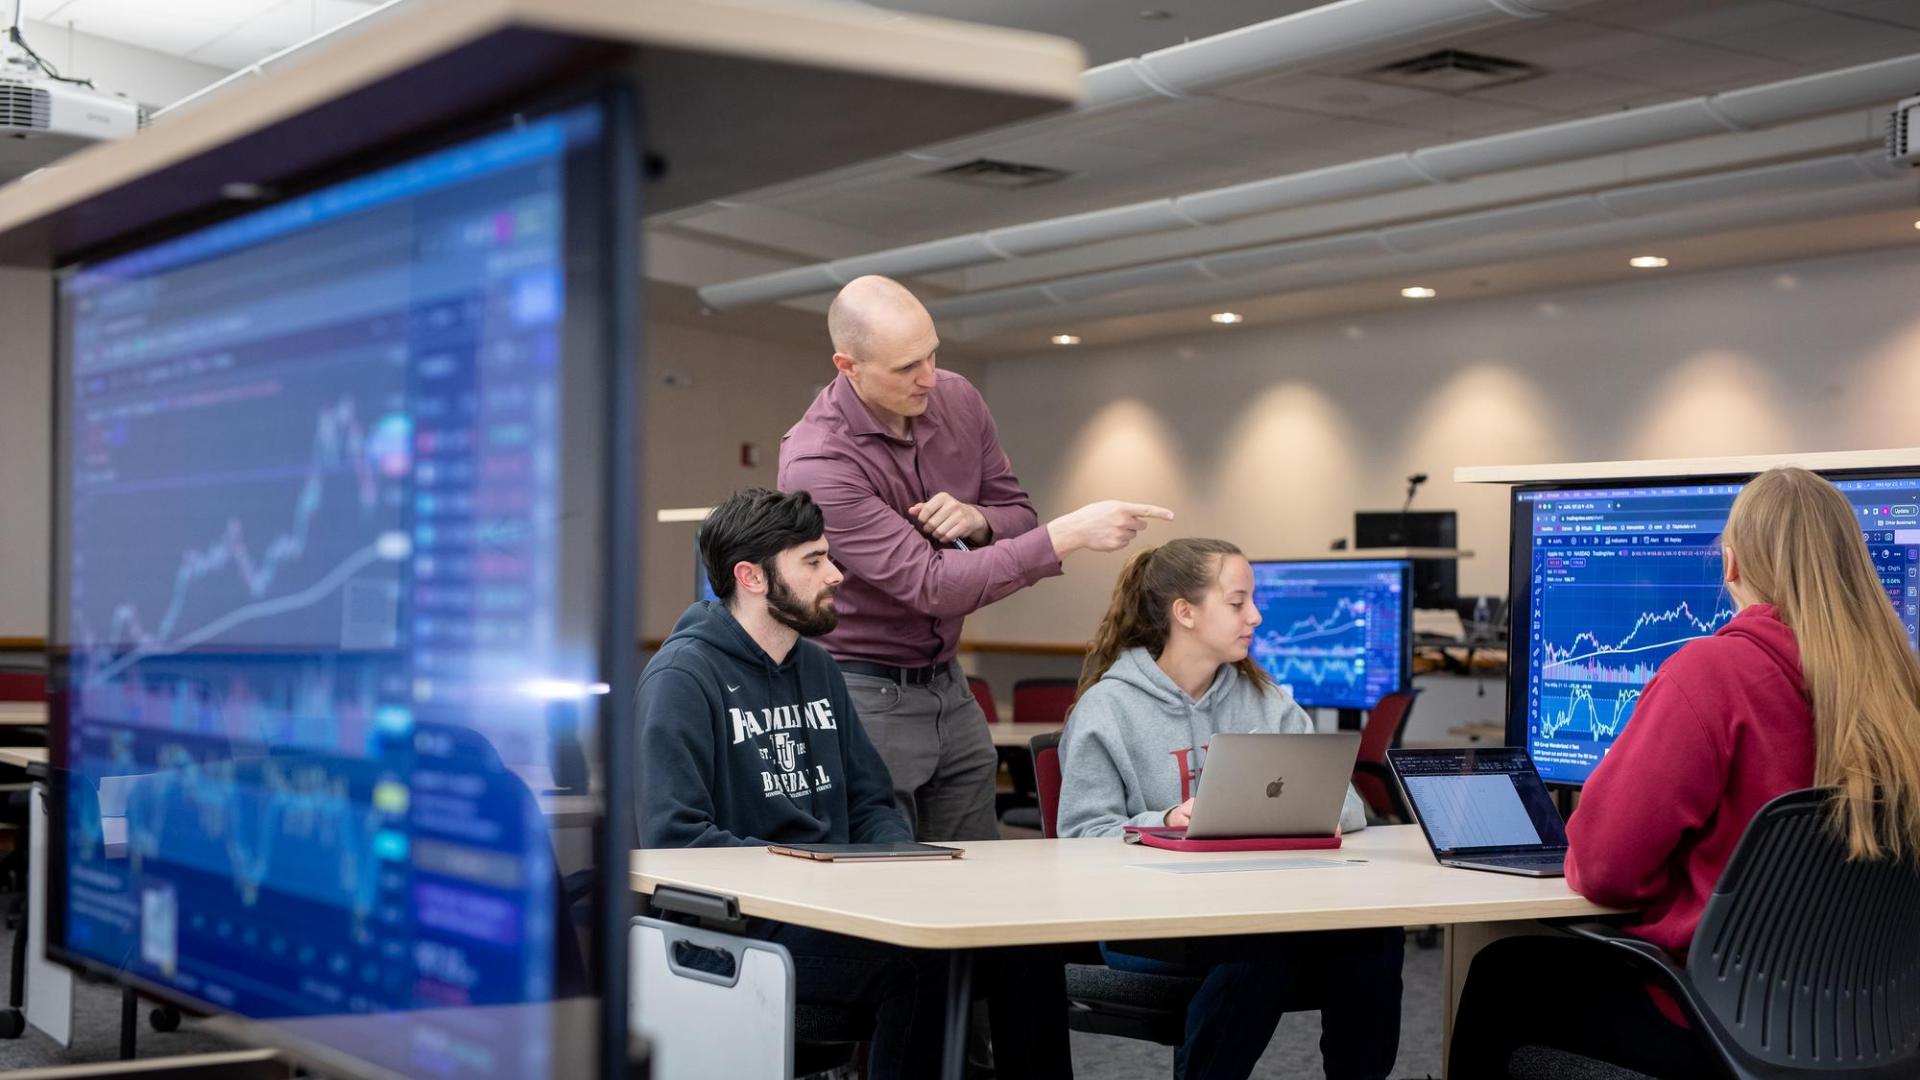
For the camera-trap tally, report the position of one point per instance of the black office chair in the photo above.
(1804, 963)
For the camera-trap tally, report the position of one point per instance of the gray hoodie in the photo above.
(1135, 744)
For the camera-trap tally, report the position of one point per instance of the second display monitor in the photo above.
(1335, 632)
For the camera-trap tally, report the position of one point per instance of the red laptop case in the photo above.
(1174, 839)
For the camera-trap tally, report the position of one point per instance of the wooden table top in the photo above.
(22, 757)
(1019, 734)
(23, 714)
(1023, 892)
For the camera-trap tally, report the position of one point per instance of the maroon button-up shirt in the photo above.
(904, 596)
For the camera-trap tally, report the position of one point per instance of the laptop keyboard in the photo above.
(1527, 860)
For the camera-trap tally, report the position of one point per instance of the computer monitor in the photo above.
(1336, 632)
(343, 508)
(1609, 580)
(1436, 582)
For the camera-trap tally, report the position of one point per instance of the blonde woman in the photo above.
(1168, 670)
(1813, 683)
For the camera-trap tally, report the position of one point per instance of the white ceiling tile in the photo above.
(1325, 94)
(1650, 14)
(1714, 25)
(1453, 117)
(1683, 65)
(1556, 44)
(1823, 39)
(283, 24)
(1230, 117)
(1899, 12)
(1573, 92)
(145, 26)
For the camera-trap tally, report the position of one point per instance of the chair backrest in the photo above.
(1046, 777)
(1808, 961)
(1043, 701)
(23, 686)
(983, 694)
(1386, 722)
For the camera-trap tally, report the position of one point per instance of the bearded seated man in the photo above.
(748, 737)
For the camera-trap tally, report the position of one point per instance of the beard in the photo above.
(808, 620)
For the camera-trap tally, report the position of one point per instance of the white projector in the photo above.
(43, 119)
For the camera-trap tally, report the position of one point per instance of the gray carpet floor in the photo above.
(1294, 1053)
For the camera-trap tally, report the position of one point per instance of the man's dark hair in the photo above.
(755, 525)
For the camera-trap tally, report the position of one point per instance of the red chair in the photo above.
(23, 686)
(1043, 701)
(983, 694)
(1046, 780)
(1386, 723)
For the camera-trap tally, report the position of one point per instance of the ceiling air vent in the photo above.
(1006, 175)
(1452, 71)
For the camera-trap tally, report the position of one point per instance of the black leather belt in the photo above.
(906, 676)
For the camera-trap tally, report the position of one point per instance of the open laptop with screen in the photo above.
(1483, 809)
(1265, 784)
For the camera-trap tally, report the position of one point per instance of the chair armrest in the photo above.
(1661, 970)
(1645, 953)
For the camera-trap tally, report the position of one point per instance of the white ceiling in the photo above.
(1598, 58)
(220, 33)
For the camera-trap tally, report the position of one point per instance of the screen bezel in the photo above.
(1520, 571)
(612, 166)
(1404, 655)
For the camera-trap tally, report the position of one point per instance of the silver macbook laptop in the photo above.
(1483, 809)
(1273, 785)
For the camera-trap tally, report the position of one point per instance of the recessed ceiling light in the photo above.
(1418, 292)
(1227, 318)
(1647, 262)
(1065, 339)
(1916, 224)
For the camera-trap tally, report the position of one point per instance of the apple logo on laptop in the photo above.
(1273, 789)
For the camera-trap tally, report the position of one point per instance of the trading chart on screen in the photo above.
(1618, 580)
(313, 475)
(1333, 632)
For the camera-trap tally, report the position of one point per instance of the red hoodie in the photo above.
(1723, 727)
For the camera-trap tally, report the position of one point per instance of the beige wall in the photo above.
(26, 418)
(1272, 438)
(706, 394)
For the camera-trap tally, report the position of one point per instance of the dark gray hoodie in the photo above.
(1136, 743)
(736, 750)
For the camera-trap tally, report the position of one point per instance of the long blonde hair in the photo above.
(1141, 612)
(1796, 545)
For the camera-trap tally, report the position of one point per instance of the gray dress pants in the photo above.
(934, 740)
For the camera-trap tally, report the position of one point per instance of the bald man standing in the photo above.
(929, 523)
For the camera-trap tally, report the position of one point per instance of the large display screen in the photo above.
(1335, 632)
(332, 507)
(1614, 580)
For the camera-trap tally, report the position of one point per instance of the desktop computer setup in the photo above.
(341, 526)
(1609, 580)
